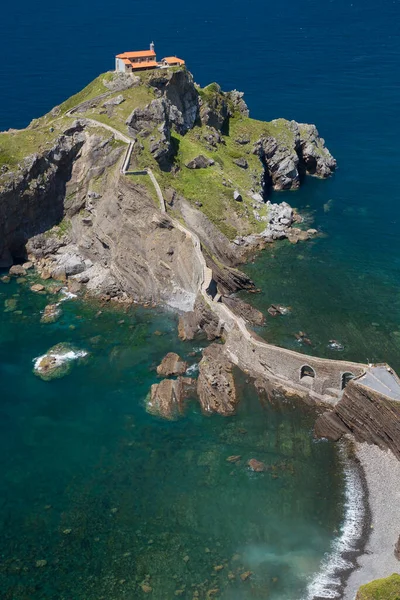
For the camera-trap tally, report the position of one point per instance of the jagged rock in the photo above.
(213, 137)
(229, 279)
(51, 313)
(366, 414)
(216, 385)
(121, 81)
(200, 162)
(114, 101)
(242, 163)
(214, 109)
(236, 101)
(171, 364)
(17, 271)
(167, 398)
(301, 151)
(317, 159)
(154, 120)
(244, 310)
(237, 196)
(178, 88)
(200, 319)
(69, 263)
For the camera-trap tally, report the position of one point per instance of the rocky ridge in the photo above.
(69, 208)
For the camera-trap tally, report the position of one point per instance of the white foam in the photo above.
(60, 358)
(192, 369)
(326, 584)
(67, 295)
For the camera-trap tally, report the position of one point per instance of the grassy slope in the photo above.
(381, 589)
(203, 186)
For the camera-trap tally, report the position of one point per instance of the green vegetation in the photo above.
(211, 189)
(95, 88)
(15, 145)
(381, 589)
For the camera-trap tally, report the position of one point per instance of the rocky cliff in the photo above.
(367, 414)
(64, 200)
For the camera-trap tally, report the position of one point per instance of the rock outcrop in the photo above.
(201, 319)
(365, 413)
(32, 198)
(171, 364)
(178, 88)
(154, 121)
(214, 109)
(216, 385)
(286, 162)
(244, 310)
(167, 398)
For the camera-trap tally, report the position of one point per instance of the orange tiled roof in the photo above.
(174, 59)
(144, 64)
(140, 54)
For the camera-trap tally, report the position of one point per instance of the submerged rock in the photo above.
(51, 313)
(216, 385)
(256, 465)
(57, 362)
(171, 364)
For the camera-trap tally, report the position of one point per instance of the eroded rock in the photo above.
(216, 386)
(167, 398)
(171, 364)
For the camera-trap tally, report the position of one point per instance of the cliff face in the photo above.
(64, 200)
(302, 152)
(32, 197)
(367, 414)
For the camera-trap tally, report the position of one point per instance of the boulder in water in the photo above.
(57, 362)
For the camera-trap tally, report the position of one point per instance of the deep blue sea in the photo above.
(113, 499)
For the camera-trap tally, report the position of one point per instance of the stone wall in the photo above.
(261, 359)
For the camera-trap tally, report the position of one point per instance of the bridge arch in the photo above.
(345, 378)
(307, 374)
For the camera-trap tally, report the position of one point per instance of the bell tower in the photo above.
(152, 46)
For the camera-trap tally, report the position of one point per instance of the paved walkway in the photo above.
(376, 379)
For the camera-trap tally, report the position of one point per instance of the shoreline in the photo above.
(342, 558)
(381, 473)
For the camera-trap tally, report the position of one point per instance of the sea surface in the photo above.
(100, 498)
(80, 454)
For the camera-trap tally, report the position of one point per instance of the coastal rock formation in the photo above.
(367, 414)
(57, 362)
(178, 88)
(167, 398)
(171, 364)
(216, 385)
(200, 319)
(32, 197)
(303, 151)
(153, 120)
(69, 206)
(214, 109)
(244, 310)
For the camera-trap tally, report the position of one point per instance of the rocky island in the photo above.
(146, 187)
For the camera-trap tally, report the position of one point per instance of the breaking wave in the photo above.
(327, 582)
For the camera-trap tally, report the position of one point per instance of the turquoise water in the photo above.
(336, 288)
(113, 498)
